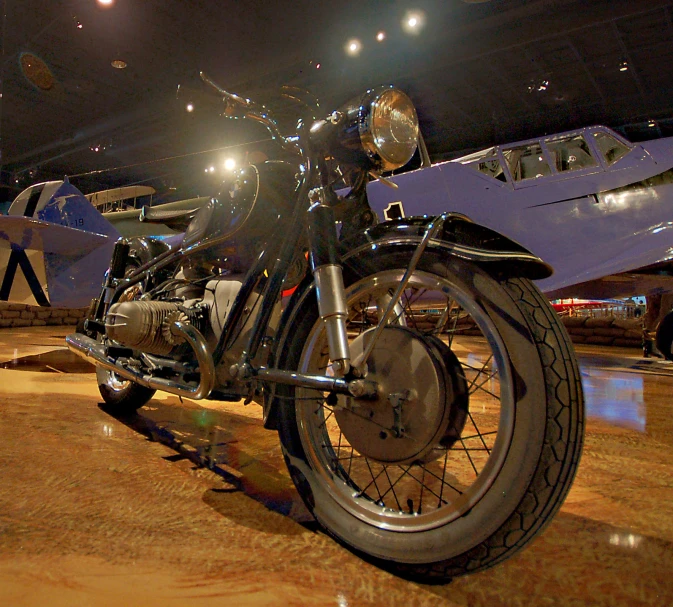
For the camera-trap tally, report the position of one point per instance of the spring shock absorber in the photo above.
(329, 284)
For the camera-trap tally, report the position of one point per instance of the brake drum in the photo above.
(421, 374)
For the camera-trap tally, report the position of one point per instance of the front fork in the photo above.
(329, 282)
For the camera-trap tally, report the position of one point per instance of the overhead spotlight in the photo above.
(211, 169)
(106, 2)
(190, 107)
(230, 164)
(413, 22)
(381, 36)
(353, 47)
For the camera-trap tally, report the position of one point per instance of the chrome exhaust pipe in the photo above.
(84, 346)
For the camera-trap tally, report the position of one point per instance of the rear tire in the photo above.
(122, 397)
(486, 495)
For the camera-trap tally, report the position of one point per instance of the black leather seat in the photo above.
(173, 219)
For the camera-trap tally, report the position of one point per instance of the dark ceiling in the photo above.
(479, 72)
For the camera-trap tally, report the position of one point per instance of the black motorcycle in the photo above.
(427, 398)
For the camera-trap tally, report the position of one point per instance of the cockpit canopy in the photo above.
(586, 150)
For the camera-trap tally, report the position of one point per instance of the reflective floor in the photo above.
(190, 503)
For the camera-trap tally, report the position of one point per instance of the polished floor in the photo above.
(96, 511)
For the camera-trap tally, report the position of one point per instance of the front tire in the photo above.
(465, 503)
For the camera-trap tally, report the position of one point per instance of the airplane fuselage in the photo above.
(605, 225)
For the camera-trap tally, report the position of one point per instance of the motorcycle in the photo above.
(426, 396)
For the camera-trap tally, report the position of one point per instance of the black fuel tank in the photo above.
(250, 207)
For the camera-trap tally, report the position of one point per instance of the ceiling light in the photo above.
(211, 169)
(381, 36)
(190, 107)
(651, 124)
(106, 2)
(413, 22)
(36, 71)
(119, 64)
(230, 164)
(353, 47)
(623, 66)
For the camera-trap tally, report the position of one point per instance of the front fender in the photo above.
(460, 238)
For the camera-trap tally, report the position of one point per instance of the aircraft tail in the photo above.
(54, 247)
(61, 203)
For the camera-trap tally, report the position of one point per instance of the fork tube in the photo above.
(329, 284)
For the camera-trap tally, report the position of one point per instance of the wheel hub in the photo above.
(422, 401)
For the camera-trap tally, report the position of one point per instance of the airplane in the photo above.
(593, 205)
(55, 246)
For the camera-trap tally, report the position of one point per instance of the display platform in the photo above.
(190, 502)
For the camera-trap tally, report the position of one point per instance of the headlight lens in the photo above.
(389, 129)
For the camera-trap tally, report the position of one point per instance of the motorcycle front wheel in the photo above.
(474, 438)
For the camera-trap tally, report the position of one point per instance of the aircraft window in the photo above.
(571, 153)
(611, 148)
(475, 156)
(490, 167)
(526, 162)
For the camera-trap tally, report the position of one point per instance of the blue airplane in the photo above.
(52, 242)
(55, 246)
(596, 207)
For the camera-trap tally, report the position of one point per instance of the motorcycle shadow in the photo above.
(234, 447)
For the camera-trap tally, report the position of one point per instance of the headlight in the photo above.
(388, 127)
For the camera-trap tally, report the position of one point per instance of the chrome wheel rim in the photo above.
(417, 496)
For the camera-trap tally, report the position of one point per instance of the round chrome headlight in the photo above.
(388, 128)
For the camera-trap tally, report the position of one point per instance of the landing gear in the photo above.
(664, 336)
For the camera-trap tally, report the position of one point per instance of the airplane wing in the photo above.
(29, 233)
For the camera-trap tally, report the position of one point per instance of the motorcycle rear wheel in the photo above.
(121, 396)
(495, 465)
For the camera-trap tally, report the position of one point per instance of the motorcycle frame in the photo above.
(273, 262)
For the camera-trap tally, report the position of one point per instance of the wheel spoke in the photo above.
(416, 487)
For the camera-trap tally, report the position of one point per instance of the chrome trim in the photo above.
(360, 388)
(333, 311)
(86, 347)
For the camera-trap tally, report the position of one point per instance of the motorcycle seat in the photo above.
(174, 219)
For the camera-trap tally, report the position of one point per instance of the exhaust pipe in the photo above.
(84, 346)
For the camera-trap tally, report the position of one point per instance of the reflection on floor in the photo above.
(190, 503)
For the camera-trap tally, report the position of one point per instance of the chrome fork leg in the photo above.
(330, 285)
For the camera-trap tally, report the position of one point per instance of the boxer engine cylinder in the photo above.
(147, 325)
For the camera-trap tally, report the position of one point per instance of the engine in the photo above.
(148, 325)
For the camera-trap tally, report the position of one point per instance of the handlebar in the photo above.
(255, 112)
